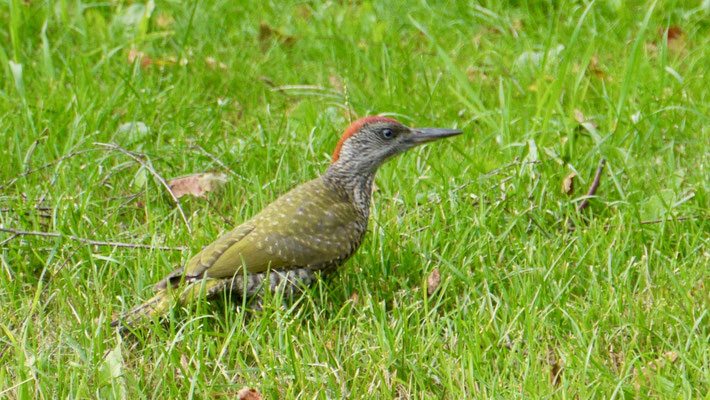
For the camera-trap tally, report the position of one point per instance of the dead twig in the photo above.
(45, 166)
(658, 221)
(224, 218)
(37, 208)
(592, 189)
(137, 158)
(15, 233)
(651, 221)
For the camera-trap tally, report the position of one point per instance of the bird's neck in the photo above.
(356, 185)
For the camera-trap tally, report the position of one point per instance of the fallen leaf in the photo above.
(673, 32)
(304, 12)
(675, 40)
(354, 297)
(491, 30)
(617, 359)
(183, 361)
(651, 48)
(476, 74)
(589, 125)
(475, 198)
(646, 372)
(147, 61)
(433, 281)
(568, 184)
(266, 32)
(213, 64)
(556, 366)
(579, 116)
(197, 184)
(136, 55)
(596, 70)
(164, 20)
(246, 393)
(184, 364)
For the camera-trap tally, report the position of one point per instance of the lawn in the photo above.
(539, 296)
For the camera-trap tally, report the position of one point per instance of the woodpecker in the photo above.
(310, 230)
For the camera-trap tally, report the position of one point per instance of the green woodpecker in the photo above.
(311, 229)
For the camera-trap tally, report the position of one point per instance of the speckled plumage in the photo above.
(315, 227)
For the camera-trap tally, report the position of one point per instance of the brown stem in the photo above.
(15, 233)
(150, 169)
(45, 166)
(592, 189)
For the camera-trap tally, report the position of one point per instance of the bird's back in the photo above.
(313, 226)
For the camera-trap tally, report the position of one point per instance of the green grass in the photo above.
(521, 296)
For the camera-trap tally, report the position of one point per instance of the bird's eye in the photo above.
(387, 134)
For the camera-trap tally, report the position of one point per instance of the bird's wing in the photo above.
(206, 257)
(308, 226)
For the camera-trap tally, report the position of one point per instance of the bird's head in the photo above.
(371, 141)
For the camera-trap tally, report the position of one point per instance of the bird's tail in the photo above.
(162, 301)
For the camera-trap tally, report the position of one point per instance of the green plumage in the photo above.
(313, 227)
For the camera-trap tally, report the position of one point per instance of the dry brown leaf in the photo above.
(433, 281)
(147, 61)
(184, 364)
(213, 64)
(617, 359)
(246, 393)
(594, 68)
(134, 55)
(304, 12)
(651, 48)
(647, 371)
(172, 60)
(673, 32)
(491, 30)
(584, 122)
(137, 55)
(556, 366)
(676, 40)
(197, 184)
(476, 74)
(568, 184)
(266, 32)
(183, 361)
(164, 20)
(354, 297)
(579, 116)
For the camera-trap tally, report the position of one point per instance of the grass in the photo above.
(616, 308)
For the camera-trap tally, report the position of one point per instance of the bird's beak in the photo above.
(424, 135)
